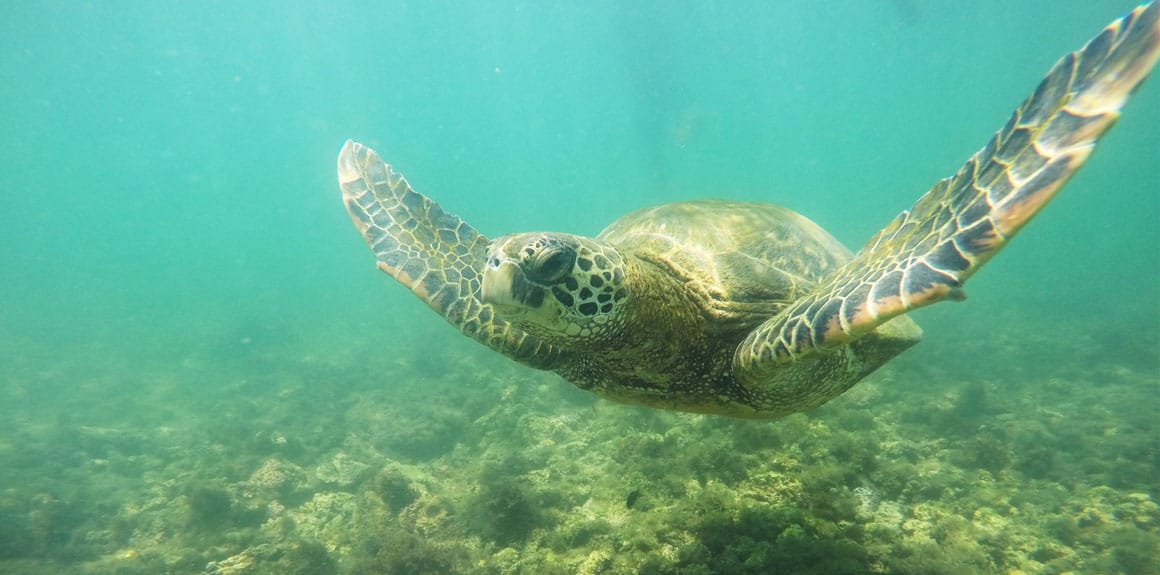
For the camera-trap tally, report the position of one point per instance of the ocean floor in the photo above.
(1018, 448)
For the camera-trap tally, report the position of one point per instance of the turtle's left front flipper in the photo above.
(926, 253)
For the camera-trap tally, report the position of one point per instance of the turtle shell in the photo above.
(744, 259)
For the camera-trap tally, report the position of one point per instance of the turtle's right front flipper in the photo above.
(926, 253)
(435, 254)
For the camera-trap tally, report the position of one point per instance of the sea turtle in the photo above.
(744, 309)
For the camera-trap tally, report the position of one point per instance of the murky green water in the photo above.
(202, 372)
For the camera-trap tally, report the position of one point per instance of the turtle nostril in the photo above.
(496, 286)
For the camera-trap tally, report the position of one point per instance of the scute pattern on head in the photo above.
(594, 284)
(555, 284)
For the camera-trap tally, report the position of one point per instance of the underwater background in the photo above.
(201, 371)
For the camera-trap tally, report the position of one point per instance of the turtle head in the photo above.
(554, 284)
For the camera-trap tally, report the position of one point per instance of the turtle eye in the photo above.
(553, 267)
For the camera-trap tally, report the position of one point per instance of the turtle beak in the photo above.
(505, 287)
(496, 288)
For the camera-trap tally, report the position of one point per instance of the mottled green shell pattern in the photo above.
(736, 252)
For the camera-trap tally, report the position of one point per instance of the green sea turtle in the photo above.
(744, 309)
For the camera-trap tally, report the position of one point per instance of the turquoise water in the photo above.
(184, 301)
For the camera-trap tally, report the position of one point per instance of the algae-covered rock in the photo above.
(209, 505)
(504, 512)
(397, 552)
(275, 479)
(341, 470)
(327, 518)
(395, 488)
